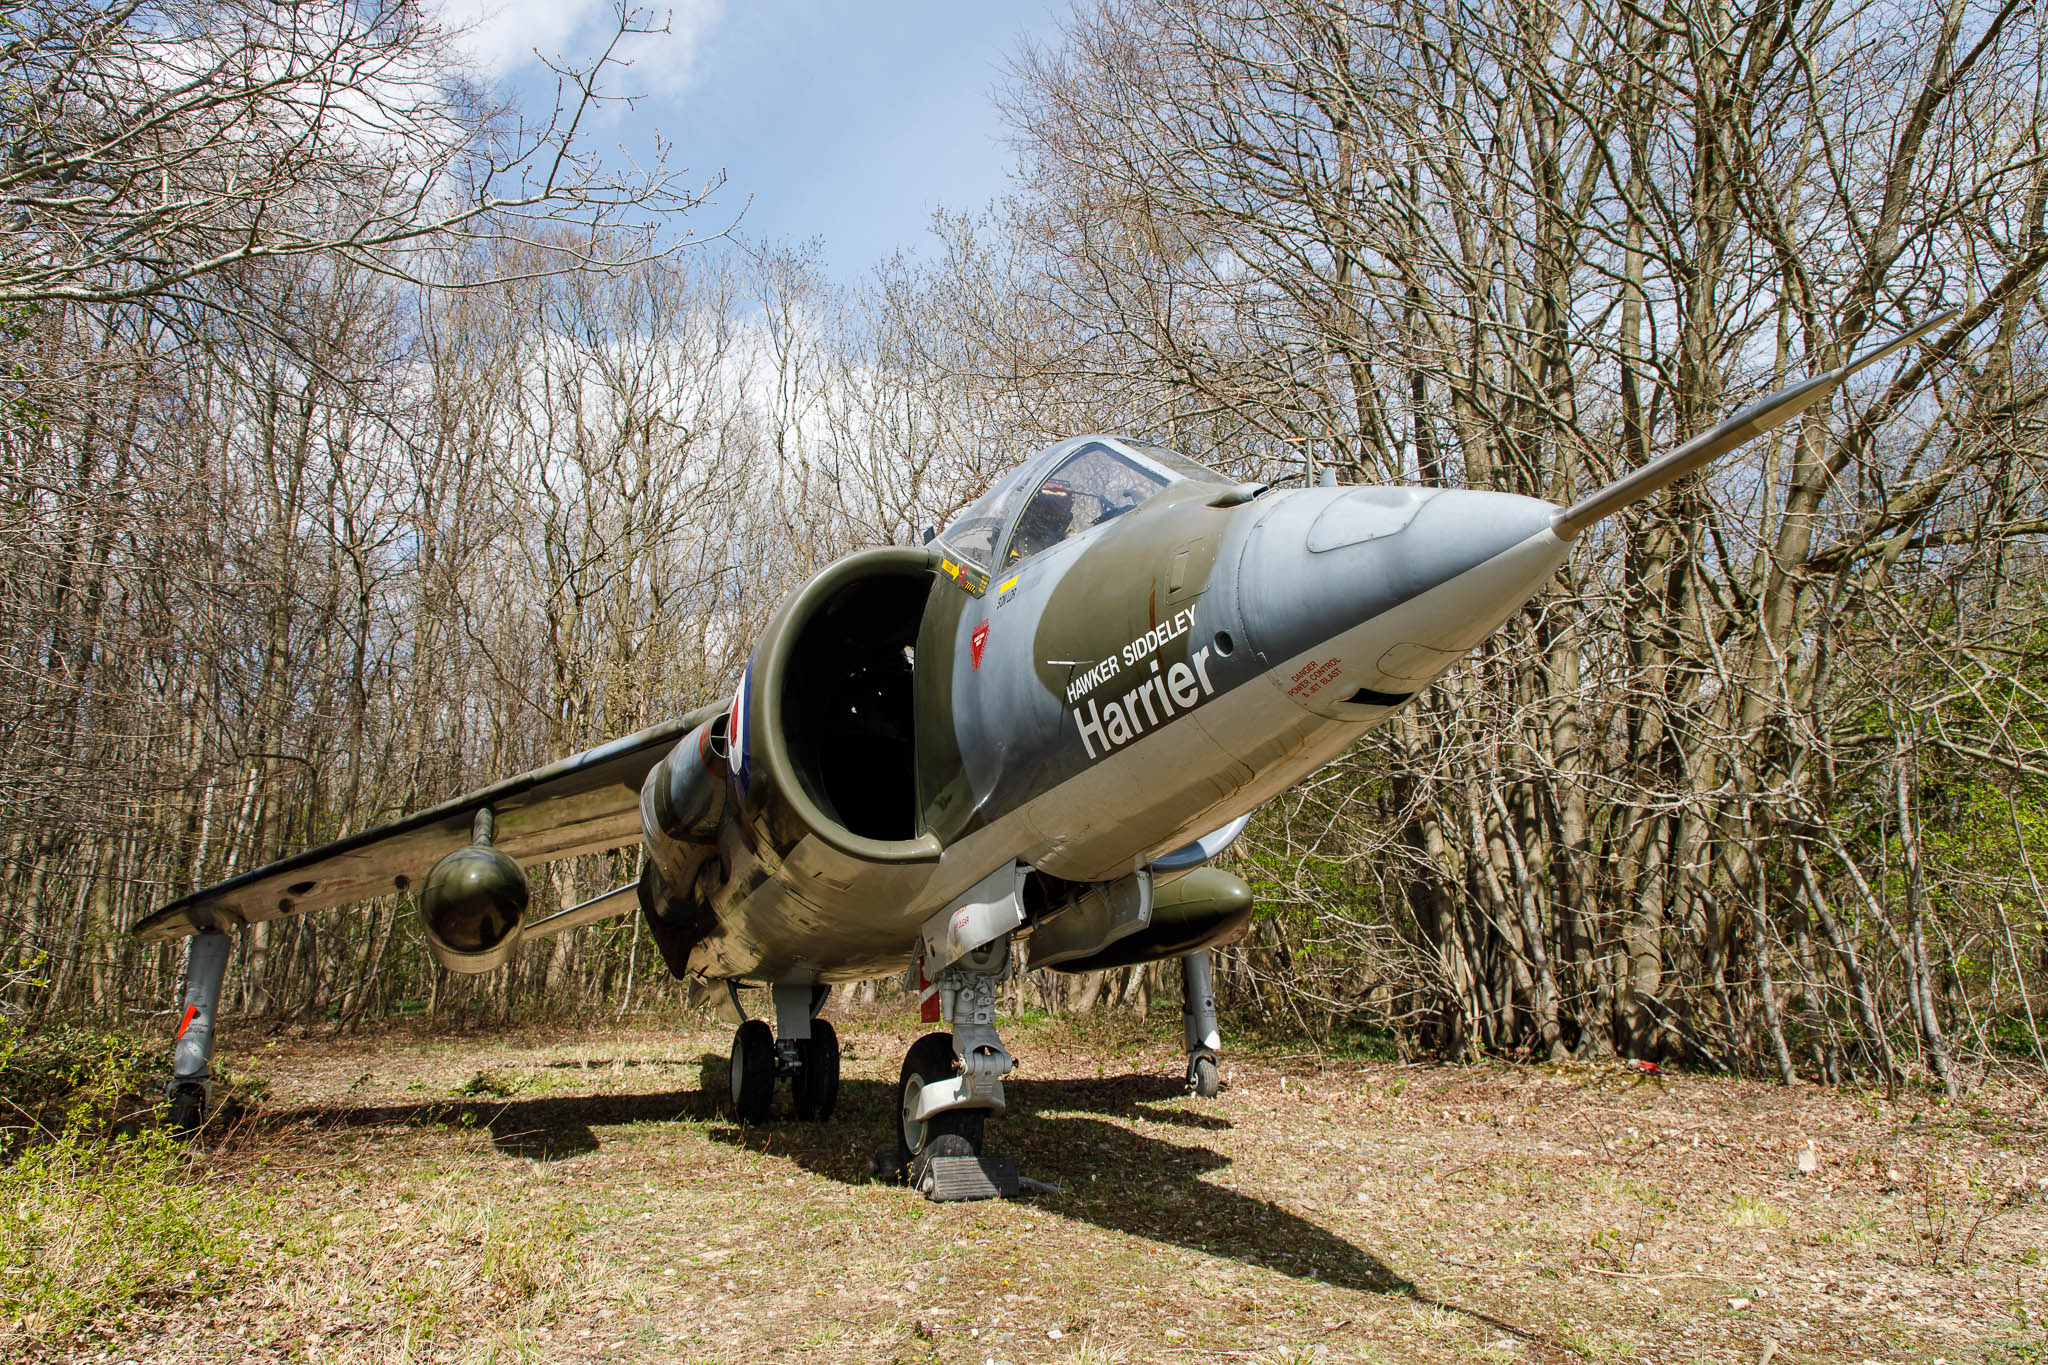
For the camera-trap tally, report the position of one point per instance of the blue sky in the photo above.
(849, 123)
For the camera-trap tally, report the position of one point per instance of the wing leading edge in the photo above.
(585, 803)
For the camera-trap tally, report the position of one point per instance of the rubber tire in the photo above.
(752, 1078)
(817, 1076)
(931, 1059)
(187, 1112)
(1203, 1080)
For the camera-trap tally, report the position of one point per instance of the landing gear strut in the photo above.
(952, 1082)
(1198, 1023)
(191, 1086)
(806, 1051)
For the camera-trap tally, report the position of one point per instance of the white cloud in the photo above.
(508, 38)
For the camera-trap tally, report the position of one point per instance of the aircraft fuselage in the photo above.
(1093, 706)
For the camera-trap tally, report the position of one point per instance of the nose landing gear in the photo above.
(952, 1082)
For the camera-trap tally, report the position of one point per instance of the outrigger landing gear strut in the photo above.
(1198, 1023)
(191, 1084)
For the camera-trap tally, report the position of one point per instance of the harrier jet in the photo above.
(1034, 732)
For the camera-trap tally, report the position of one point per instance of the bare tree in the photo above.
(152, 143)
(1520, 248)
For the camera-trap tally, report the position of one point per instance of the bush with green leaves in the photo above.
(100, 1209)
(73, 1078)
(91, 1226)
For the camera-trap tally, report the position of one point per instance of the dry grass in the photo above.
(552, 1196)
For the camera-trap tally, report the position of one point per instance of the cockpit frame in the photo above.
(986, 535)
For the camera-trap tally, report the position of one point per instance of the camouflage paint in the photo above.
(1324, 610)
(1220, 591)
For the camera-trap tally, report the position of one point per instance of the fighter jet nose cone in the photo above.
(1380, 589)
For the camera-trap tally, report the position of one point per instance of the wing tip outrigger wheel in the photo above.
(187, 1111)
(190, 1092)
(1198, 1015)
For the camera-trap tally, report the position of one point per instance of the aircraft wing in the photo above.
(585, 803)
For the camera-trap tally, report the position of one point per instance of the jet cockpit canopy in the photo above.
(1062, 491)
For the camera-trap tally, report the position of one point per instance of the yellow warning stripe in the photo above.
(966, 575)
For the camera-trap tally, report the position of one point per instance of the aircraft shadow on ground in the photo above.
(1109, 1175)
(540, 1128)
(1059, 1131)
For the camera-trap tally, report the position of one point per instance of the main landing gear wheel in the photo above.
(753, 1071)
(1203, 1079)
(817, 1072)
(953, 1132)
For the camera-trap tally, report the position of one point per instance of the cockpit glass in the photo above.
(973, 537)
(1088, 487)
(1181, 464)
(1092, 486)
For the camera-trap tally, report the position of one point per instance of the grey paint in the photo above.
(206, 965)
(1198, 1005)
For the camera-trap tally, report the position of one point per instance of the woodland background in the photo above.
(362, 441)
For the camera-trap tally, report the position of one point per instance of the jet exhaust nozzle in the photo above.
(684, 797)
(682, 804)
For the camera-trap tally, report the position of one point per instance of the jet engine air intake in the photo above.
(835, 727)
(472, 901)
